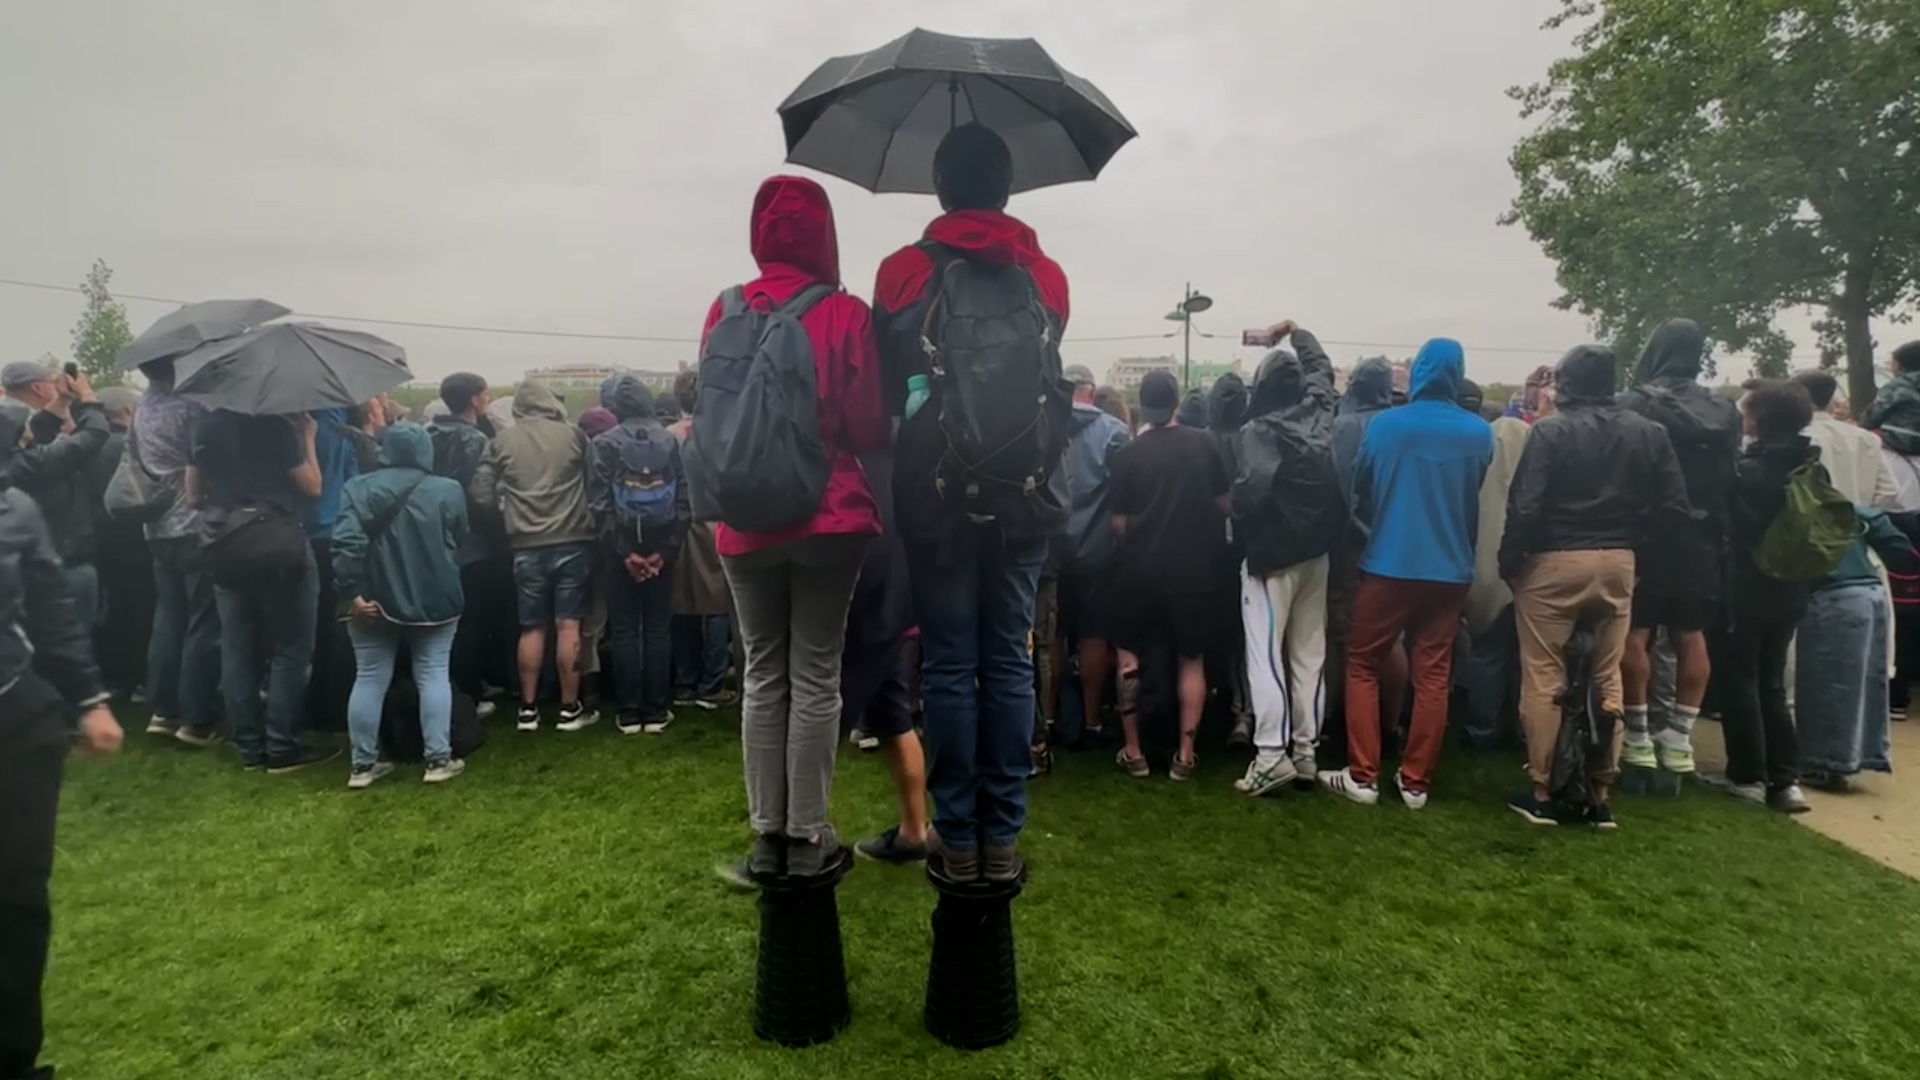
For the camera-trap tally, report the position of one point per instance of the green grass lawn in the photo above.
(554, 914)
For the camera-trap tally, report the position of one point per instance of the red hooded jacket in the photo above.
(795, 245)
(898, 292)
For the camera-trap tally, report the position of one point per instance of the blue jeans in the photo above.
(973, 594)
(270, 628)
(702, 649)
(183, 653)
(1489, 674)
(639, 636)
(376, 645)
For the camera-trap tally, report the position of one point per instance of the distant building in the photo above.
(1126, 374)
(562, 377)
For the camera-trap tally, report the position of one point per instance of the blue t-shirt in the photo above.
(247, 459)
(339, 461)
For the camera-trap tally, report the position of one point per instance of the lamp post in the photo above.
(1191, 304)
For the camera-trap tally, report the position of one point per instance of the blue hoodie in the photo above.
(1416, 479)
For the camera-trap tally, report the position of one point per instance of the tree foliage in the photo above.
(102, 330)
(1728, 160)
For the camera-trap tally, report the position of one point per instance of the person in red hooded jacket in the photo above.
(973, 574)
(791, 588)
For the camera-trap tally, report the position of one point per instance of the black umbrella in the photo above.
(291, 368)
(876, 119)
(194, 325)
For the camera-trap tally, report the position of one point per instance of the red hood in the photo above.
(988, 234)
(793, 228)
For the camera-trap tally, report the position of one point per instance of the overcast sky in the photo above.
(587, 165)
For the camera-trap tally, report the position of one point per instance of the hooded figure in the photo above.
(1193, 411)
(795, 244)
(397, 540)
(535, 474)
(1369, 393)
(1681, 567)
(630, 407)
(1287, 500)
(1091, 440)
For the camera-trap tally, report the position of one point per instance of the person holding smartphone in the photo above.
(47, 678)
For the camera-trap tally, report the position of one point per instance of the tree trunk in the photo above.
(1856, 331)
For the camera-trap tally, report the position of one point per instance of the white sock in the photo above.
(1681, 729)
(1637, 725)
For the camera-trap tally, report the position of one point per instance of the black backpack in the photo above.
(400, 739)
(755, 460)
(993, 349)
(256, 546)
(1706, 444)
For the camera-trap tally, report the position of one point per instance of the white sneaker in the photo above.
(1306, 766)
(578, 721)
(1415, 800)
(366, 778)
(445, 771)
(160, 725)
(659, 724)
(1344, 785)
(1265, 779)
(1675, 753)
(484, 709)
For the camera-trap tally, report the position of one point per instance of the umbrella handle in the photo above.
(953, 102)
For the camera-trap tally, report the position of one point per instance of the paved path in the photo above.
(1880, 819)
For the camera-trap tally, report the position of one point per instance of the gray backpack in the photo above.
(755, 461)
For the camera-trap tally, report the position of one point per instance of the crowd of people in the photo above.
(907, 521)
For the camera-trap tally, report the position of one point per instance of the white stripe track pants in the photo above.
(1285, 616)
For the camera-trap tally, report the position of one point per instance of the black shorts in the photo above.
(553, 584)
(1188, 624)
(873, 690)
(1086, 606)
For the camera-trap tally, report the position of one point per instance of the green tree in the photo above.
(102, 330)
(1728, 160)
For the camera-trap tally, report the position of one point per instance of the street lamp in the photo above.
(1191, 304)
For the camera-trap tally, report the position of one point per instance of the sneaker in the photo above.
(576, 717)
(1039, 761)
(1264, 780)
(888, 848)
(305, 758)
(815, 857)
(1601, 817)
(629, 725)
(958, 867)
(485, 709)
(1753, 793)
(1135, 767)
(1536, 811)
(444, 771)
(1676, 755)
(1308, 769)
(683, 695)
(659, 724)
(1831, 782)
(365, 776)
(1002, 864)
(767, 858)
(529, 718)
(1182, 771)
(864, 741)
(719, 699)
(200, 738)
(1788, 800)
(488, 692)
(1638, 756)
(1242, 737)
(1415, 796)
(161, 726)
(1343, 784)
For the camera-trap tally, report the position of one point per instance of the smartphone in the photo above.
(72, 369)
(1256, 339)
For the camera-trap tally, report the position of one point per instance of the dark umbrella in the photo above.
(876, 119)
(194, 325)
(291, 368)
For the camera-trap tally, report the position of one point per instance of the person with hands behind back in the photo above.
(47, 676)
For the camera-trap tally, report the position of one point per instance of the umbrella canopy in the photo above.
(876, 119)
(291, 368)
(194, 325)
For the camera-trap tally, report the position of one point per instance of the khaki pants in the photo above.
(1554, 591)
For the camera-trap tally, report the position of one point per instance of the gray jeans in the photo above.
(791, 603)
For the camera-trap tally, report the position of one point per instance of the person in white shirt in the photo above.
(1851, 454)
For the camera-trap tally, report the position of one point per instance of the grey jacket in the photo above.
(536, 473)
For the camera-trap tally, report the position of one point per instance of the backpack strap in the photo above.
(805, 300)
(733, 301)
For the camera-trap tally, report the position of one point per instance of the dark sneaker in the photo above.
(821, 855)
(529, 718)
(768, 858)
(1002, 863)
(683, 695)
(200, 738)
(1601, 817)
(1537, 811)
(958, 867)
(576, 717)
(890, 849)
(629, 725)
(306, 758)
(1788, 800)
(658, 725)
(1040, 761)
(719, 699)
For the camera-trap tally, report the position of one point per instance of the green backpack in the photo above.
(1813, 532)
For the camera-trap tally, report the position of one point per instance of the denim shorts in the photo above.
(551, 584)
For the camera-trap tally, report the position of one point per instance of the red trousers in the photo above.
(1428, 613)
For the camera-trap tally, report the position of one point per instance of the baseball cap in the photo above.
(1079, 375)
(25, 373)
(1159, 397)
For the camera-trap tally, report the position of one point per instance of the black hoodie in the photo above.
(1287, 499)
(1760, 495)
(1593, 476)
(1703, 426)
(1369, 393)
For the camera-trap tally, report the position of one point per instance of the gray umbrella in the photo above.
(291, 368)
(876, 119)
(194, 325)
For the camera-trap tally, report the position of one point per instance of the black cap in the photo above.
(1159, 397)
